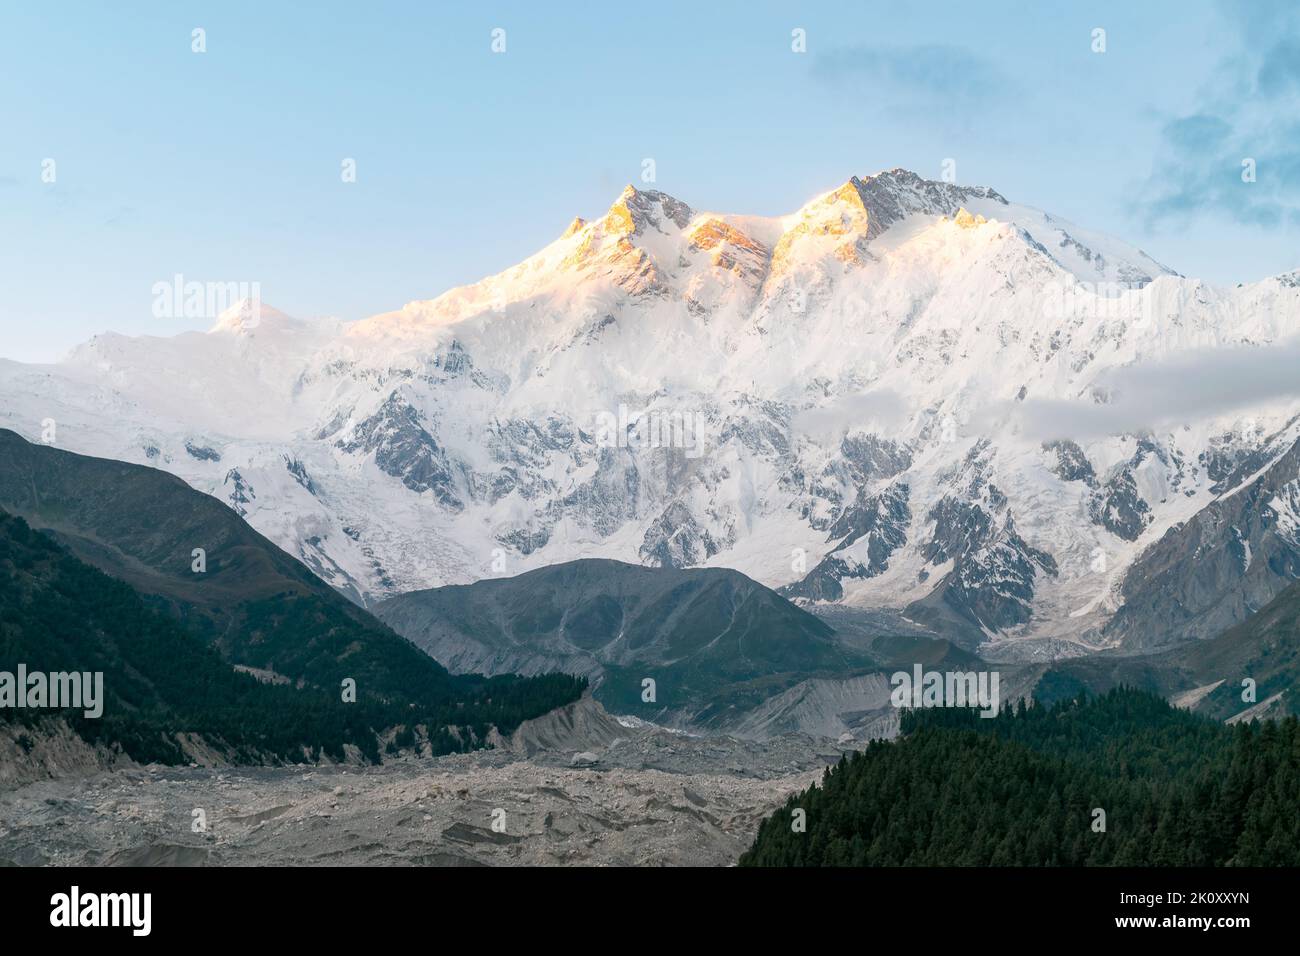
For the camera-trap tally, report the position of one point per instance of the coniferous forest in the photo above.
(160, 680)
(1024, 789)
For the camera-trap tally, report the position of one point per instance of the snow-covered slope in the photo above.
(848, 402)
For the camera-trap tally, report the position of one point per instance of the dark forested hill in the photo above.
(160, 681)
(256, 605)
(1022, 789)
(710, 637)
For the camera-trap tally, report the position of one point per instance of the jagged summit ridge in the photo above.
(651, 244)
(637, 210)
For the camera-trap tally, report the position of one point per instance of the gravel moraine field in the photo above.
(648, 797)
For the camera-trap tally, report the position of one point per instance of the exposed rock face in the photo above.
(1226, 562)
(202, 453)
(638, 210)
(991, 571)
(1070, 463)
(862, 209)
(49, 750)
(871, 530)
(1119, 508)
(677, 540)
(404, 449)
(241, 493)
(868, 457)
(731, 250)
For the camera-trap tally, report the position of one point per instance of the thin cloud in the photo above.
(877, 410)
(1245, 127)
(1188, 387)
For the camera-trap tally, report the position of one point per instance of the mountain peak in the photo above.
(968, 221)
(246, 315)
(635, 210)
(878, 201)
(934, 196)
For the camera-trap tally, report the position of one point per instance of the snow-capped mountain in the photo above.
(867, 401)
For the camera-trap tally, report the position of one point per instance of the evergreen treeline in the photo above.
(59, 614)
(1020, 789)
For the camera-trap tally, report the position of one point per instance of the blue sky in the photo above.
(225, 166)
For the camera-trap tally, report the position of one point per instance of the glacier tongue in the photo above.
(833, 402)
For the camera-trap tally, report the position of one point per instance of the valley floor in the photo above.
(650, 798)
